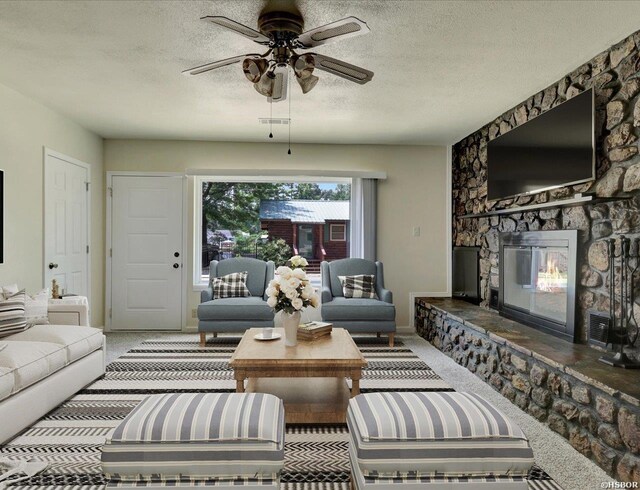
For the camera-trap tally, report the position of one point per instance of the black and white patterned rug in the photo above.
(70, 437)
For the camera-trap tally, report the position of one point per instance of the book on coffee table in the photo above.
(306, 336)
(314, 330)
(314, 326)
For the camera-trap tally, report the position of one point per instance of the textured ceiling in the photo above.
(442, 69)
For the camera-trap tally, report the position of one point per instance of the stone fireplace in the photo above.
(538, 280)
(614, 75)
(594, 406)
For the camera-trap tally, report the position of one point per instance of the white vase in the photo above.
(290, 322)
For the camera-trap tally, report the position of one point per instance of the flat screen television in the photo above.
(552, 150)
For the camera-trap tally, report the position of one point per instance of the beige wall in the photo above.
(26, 127)
(413, 195)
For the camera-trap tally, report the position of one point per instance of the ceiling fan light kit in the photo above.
(265, 85)
(254, 68)
(303, 66)
(307, 83)
(283, 34)
(280, 83)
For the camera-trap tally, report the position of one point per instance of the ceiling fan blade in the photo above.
(217, 64)
(340, 29)
(342, 69)
(238, 28)
(280, 84)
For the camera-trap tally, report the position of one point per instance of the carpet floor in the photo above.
(70, 437)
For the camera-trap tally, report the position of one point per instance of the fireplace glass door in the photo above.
(536, 281)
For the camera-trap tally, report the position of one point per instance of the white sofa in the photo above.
(43, 366)
(72, 310)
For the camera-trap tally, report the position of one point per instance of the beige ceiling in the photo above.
(442, 68)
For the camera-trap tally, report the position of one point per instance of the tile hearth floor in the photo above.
(552, 452)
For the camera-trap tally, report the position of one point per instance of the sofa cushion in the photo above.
(12, 318)
(435, 432)
(198, 435)
(36, 308)
(352, 309)
(8, 290)
(77, 341)
(6, 382)
(32, 361)
(250, 308)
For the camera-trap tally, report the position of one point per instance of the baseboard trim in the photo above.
(412, 304)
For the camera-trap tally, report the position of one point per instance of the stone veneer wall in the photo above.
(596, 420)
(615, 77)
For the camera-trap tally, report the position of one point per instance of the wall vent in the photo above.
(274, 120)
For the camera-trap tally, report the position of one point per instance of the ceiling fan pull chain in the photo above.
(290, 95)
(270, 118)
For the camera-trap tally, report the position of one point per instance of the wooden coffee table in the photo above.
(309, 378)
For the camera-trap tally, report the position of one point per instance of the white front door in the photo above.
(146, 251)
(66, 237)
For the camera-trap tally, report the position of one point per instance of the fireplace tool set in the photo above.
(623, 328)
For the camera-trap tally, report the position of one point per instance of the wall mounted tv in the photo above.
(552, 150)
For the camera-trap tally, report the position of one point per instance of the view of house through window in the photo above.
(274, 221)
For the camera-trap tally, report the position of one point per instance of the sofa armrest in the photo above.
(206, 295)
(325, 289)
(385, 295)
(68, 314)
(326, 294)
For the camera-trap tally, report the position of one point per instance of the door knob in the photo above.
(52, 265)
(176, 265)
(176, 254)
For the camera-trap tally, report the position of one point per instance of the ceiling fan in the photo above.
(282, 32)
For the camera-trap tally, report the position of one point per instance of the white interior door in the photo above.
(147, 255)
(66, 236)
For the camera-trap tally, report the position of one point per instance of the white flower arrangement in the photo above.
(291, 290)
(297, 262)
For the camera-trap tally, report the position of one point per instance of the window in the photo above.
(338, 233)
(263, 217)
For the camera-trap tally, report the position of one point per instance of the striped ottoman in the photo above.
(198, 439)
(434, 440)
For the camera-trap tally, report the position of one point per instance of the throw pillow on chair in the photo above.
(360, 286)
(232, 285)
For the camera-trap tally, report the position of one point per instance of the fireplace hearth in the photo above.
(538, 280)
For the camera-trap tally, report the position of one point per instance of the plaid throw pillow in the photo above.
(12, 319)
(361, 286)
(230, 286)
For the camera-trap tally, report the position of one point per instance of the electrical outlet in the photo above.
(416, 231)
(194, 313)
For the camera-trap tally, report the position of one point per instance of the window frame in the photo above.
(344, 232)
(198, 283)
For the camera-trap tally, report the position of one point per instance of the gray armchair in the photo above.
(236, 314)
(357, 314)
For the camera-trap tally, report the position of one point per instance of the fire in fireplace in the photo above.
(538, 279)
